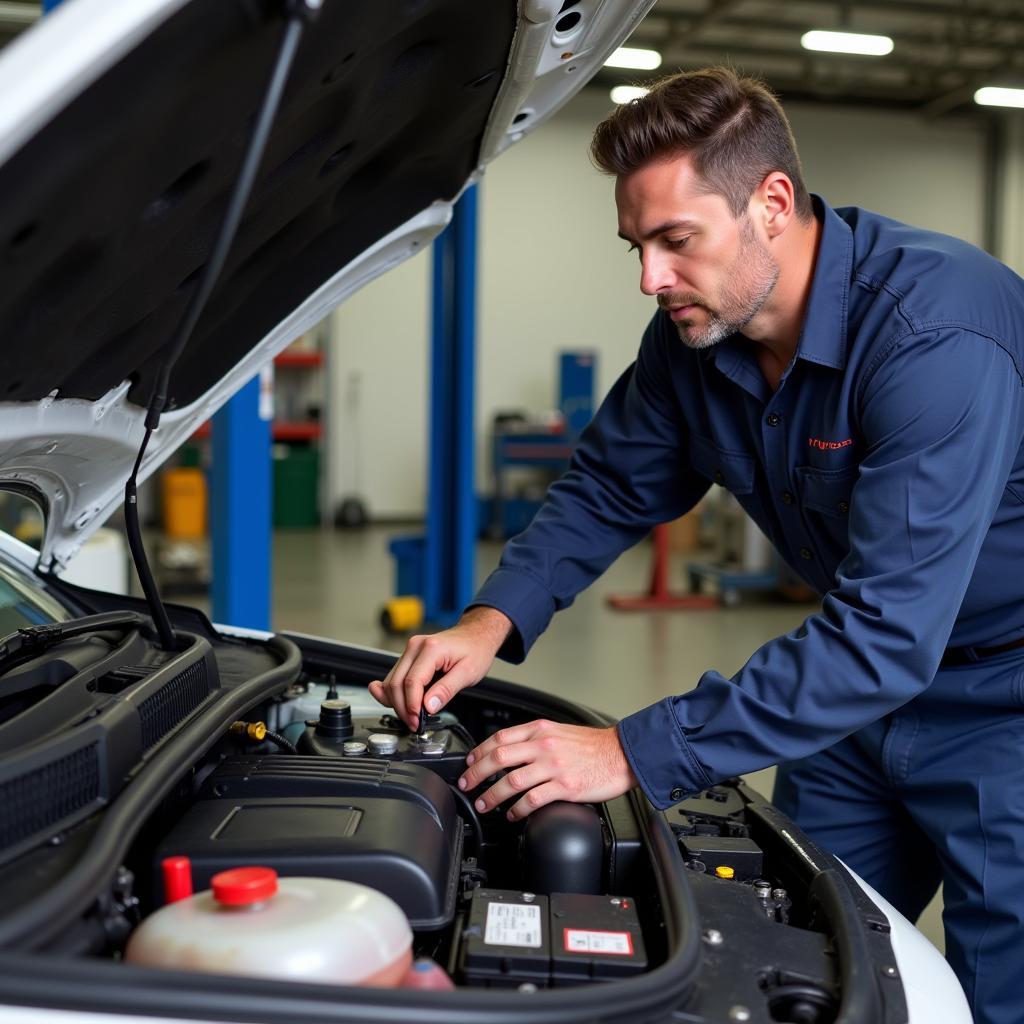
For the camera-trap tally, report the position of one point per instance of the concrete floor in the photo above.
(333, 583)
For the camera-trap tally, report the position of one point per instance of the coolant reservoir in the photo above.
(302, 929)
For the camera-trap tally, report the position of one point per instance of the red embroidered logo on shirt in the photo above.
(827, 446)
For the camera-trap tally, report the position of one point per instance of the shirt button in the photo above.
(787, 498)
(719, 479)
(844, 507)
(676, 794)
(774, 419)
(805, 553)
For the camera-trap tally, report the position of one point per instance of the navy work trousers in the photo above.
(934, 793)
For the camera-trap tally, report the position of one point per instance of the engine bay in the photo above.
(236, 753)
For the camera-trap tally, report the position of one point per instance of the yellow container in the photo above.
(183, 497)
(402, 614)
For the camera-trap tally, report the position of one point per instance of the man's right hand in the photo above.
(463, 653)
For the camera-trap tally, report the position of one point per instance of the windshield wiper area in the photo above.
(30, 641)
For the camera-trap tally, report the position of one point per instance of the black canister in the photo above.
(335, 720)
(563, 849)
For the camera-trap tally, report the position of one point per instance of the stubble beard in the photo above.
(749, 284)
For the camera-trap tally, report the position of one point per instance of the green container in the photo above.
(296, 485)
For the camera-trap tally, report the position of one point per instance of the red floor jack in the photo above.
(659, 595)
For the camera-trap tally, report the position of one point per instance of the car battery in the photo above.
(515, 938)
(594, 938)
(505, 941)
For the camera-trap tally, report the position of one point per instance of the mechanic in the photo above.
(857, 384)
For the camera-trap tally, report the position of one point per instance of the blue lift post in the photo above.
(449, 552)
(434, 577)
(240, 511)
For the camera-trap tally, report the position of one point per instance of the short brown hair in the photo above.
(733, 128)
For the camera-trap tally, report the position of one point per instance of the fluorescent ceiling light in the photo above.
(846, 42)
(632, 57)
(994, 96)
(626, 93)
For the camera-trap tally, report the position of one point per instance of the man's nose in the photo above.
(656, 274)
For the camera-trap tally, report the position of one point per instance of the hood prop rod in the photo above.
(299, 13)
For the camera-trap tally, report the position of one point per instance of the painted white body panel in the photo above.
(930, 987)
(18, 551)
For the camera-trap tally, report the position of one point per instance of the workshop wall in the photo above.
(1010, 227)
(927, 173)
(554, 276)
(378, 373)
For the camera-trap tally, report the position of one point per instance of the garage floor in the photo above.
(333, 584)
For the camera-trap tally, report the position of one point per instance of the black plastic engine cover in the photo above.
(388, 826)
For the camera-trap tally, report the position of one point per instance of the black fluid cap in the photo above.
(429, 723)
(335, 719)
(563, 849)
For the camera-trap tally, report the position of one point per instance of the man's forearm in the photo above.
(489, 623)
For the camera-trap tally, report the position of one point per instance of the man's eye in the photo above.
(677, 243)
(632, 248)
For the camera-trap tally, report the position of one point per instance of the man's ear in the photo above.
(775, 202)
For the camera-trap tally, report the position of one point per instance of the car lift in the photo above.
(436, 571)
(241, 508)
(658, 595)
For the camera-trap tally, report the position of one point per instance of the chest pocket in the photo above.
(826, 490)
(732, 470)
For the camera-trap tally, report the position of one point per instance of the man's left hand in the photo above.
(548, 762)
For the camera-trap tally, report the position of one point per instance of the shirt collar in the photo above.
(823, 338)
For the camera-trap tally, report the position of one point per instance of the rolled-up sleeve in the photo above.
(629, 472)
(941, 417)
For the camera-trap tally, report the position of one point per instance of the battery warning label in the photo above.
(611, 943)
(513, 924)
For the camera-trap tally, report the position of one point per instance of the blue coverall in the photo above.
(888, 471)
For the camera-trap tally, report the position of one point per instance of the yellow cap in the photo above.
(724, 871)
(254, 730)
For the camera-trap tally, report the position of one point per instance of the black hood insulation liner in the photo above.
(120, 196)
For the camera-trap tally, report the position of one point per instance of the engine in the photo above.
(233, 754)
(364, 799)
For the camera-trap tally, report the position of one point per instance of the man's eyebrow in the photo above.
(670, 225)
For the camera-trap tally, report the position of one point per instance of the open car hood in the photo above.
(122, 130)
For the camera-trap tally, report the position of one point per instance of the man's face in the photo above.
(711, 272)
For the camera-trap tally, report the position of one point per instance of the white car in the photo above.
(143, 284)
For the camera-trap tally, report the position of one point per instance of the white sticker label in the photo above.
(513, 924)
(613, 943)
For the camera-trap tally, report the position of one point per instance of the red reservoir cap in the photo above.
(242, 886)
(177, 878)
